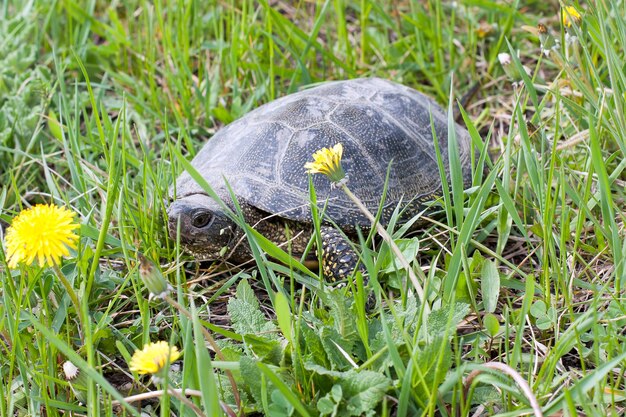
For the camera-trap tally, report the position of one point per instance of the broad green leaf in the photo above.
(336, 348)
(251, 376)
(364, 390)
(361, 390)
(326, 406)
(441, 321)
(492, 325)
(342, 315)
(246, 294)
(408, 247)
(538, 309)
(544, 323)
(245, 314)
(280, 407)
(546, 316)
(248, 320)
(314, 346)
(490, 285)
(268, 350)
(336, 393)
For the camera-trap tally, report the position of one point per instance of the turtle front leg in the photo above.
(339, 260)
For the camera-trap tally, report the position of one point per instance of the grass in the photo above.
(99, 101)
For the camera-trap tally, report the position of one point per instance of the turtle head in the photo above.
(205, 230)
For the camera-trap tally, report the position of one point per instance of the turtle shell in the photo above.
(382, 125)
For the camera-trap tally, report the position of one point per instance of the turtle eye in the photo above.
(201, 218)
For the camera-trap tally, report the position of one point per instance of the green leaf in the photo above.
(280, 407)
(485, 395)
(433, 362)
(245, 314)
(544, 323)
(222, 114)
(326, 406)
(329, 404)
(342, 315)
(283, 315)
(54, 126)
(268, 350)
(465, 288)
(314, 346)
(454, 161)
(335, 345)
(441, 321)
(408, 247)
(545, 316)
(251, 375)
(490, 285)
(284, 389)
(246, 293)
(492, 325)
(361, 390)
(364, 389)
(336, 393)
(538, 309)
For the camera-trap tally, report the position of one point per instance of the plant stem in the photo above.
(387, 238)
(73, 297)
(179, 395)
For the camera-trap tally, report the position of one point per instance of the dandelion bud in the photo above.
(153, 279)
(510, 69)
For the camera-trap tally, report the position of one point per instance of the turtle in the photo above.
(386, 130)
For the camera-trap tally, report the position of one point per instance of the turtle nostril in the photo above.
(201, 219)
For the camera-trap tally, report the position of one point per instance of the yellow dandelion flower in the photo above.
(45, 232)
(571, 16)
(153, 358)
(327, 161)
